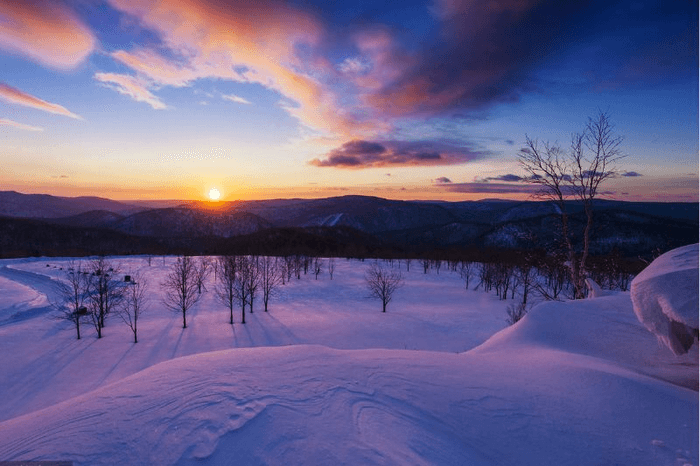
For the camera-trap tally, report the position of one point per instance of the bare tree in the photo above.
(465, 272)
(382, 282)
(134, 303)
(181, 286)
(105, 293)
(575, 174)
(331, 266)
(71, 296)
(515, 313)
(271, 275)
(226, 282)
(317, 266)
(253, 281)
(204, 268)
(243, 269)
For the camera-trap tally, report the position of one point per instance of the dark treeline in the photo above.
(31, 238)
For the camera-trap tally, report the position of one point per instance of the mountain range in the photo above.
(338, 223)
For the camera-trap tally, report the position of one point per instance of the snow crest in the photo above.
(665, 297)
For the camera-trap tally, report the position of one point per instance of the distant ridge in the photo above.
(354, 223)
(14, 204)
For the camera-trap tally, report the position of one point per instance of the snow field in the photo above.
(572, 383)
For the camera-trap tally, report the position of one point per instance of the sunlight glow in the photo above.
(214, 194)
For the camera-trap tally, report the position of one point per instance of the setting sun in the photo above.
(214, 194)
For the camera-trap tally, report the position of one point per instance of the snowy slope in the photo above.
(571, 384)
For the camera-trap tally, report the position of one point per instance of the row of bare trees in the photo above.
(92, 292)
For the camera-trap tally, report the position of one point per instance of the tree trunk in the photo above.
(77, 327)
(383, 306)
(243, 313)
(184, 320)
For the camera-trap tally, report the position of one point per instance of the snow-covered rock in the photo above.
(665, 298)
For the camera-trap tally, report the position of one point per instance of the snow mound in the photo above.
(560, 387)
(665, 297)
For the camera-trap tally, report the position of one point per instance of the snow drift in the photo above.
(665, 297)
(545, 391)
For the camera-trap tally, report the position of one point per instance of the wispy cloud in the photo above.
(15, 96)
(235, 98)
(358, 154)
(442, 180)
(46, 32)
(14, 124)
(131, 86)
(631, 174)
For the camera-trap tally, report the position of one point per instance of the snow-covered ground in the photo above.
(326, 378)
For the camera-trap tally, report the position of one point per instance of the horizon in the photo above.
(217, 203)
(427, 100)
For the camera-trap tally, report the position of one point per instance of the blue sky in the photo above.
(418, 100)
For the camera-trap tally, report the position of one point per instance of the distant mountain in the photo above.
(184, 222)
(14, 204)
(91, 219)
(341, 225)
(367, 214)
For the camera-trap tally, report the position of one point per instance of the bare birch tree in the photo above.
(105, 292)
(71, 296)
(271, 274)
(181, 287)
(226, 282)
(575, 174)
(134, 302)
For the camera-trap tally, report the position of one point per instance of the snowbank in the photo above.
(548, 390)
(665, 297)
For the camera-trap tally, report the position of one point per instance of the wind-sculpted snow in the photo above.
(574, 383)
(665, 297)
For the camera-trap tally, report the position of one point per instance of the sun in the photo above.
(214, 194)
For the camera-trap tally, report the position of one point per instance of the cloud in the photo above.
(360, 154)
(492, 188)
(235, 98)
(631, 174)
(509, 178)
(442, 180)
(250, 42)
(14, 124)
(46, 32)
(131, 86)
(15, 96)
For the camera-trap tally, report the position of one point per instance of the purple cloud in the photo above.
(368, 154)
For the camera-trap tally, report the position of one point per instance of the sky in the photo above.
(169, 99)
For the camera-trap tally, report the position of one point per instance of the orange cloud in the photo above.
(249, 42)
(135, 88)
(14, 124)
(15, 96)
(46, 32)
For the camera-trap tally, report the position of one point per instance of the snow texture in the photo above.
(327, 379)
(665, 297)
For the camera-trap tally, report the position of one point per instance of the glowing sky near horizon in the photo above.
(169, 99)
